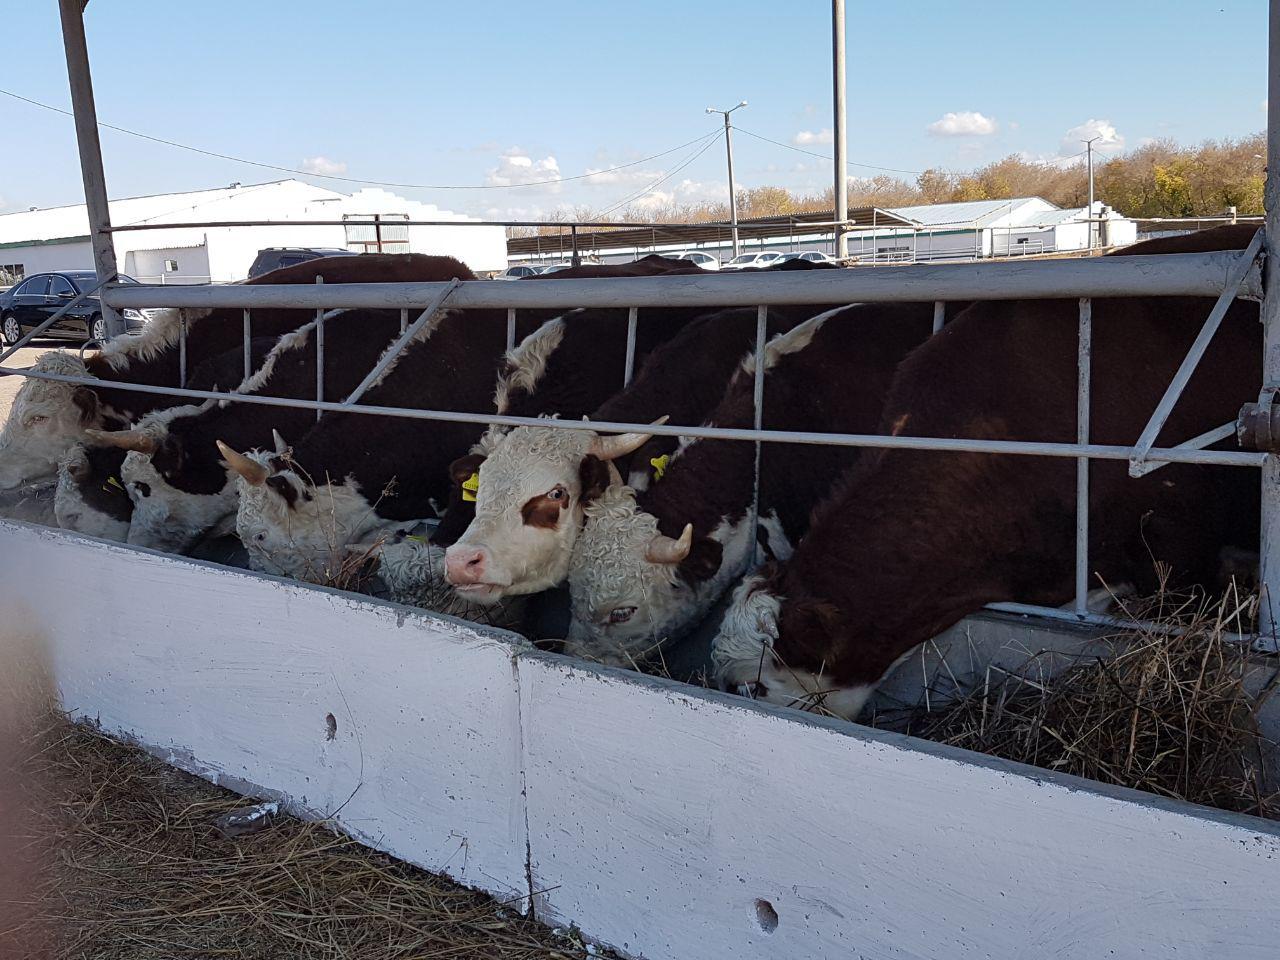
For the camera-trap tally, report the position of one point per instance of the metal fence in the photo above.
(1224, 275)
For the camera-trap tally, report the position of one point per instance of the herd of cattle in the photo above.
(869, 552)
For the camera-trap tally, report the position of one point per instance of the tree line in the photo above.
(1158, 179)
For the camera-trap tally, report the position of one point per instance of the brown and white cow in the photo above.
(353, 475)
(915, 540)
(707, 484)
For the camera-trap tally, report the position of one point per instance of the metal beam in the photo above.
(95, 182)
(838, 109)
(1269, 549)
(1172, 275)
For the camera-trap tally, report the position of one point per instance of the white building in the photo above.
(58, 238)
(976, 229)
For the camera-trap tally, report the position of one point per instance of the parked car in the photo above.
(753, 261)
(704, 260)
(554, 268)
(813, 256)
(273, 258)
(518, 272)
(29, 303)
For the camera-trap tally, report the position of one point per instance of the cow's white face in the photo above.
(74, 511)
(46, 421)
(528, 513)
(624, 585)
(166, 518)
(292, 529)
(744, 660)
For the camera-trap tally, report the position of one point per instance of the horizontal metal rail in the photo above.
(1170, 275)
(1031, 448)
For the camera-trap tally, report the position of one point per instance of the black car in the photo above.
(31, 301)
(273, 258)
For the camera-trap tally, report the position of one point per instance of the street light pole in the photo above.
(837, 102)
(728, 145)
(1088, 145)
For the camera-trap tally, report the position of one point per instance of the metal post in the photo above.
(762, 322)
(1088, 146)
(511, 328)
(1084, 373)
(404, 319)
(733, 195)
(575, 259)
(1269, 573)
(837, 102)
(319, 355)
(939, 314)
(633, 314)
(247, 322)
(182, 348)
(95, 183)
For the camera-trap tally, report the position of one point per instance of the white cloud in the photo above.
(812, 138)
(1110, 139)
(628, 177)
(965, 123)
(515, 166)
(324, 167)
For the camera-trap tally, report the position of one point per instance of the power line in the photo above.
(710, 141)
(850, 163)
(375, 183)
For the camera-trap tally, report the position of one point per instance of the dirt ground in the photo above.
(9, 385)
(130, 863)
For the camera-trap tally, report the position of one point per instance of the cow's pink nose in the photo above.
(464, 564)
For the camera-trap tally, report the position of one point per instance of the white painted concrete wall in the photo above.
(660, 818)
(40, 258)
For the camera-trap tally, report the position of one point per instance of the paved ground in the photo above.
(9, 385)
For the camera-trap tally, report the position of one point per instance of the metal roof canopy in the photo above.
(692, 233)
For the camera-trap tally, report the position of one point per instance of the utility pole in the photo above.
(837, 102)
(1088, 145)
(95, 183)
(728, 145)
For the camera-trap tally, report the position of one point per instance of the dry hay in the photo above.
(139, 871)
(1170, 708)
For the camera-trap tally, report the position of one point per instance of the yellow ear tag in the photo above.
(415, 538)
(470, 486)
(659, 465)
(112, 481)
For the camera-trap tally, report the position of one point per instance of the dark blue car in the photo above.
(31, 301)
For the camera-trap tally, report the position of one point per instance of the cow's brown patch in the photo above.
(282, 486)
(544, 510)
(593, 474)
(87, 402)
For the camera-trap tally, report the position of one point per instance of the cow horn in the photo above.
(251, 470)
(136, 440)
(281, 447)
(619, 445)
(662, 549)
(615, 478)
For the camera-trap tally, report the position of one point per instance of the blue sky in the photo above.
(494, 93)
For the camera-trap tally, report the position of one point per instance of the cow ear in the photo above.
(464, 467)
(703, 561)
(87, 402)
(811, 625)
(593, 473)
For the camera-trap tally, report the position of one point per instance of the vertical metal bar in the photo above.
(247, 323)
(511, 328)
(1084, 374)
(633, 314)
(762, 321)
(95, 181)
(574, 258)
(319, 353)
(182, 349)
(404, 319)
(838, 108)
(1269, 572)
(939, 314)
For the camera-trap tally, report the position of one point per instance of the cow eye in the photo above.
(621, 614)
(557, 493)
